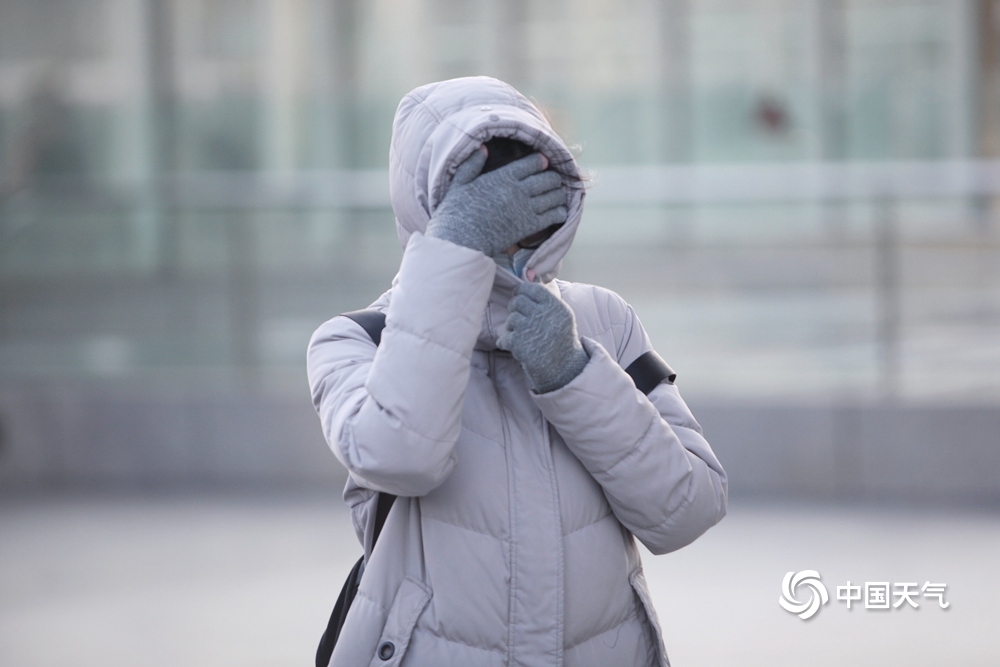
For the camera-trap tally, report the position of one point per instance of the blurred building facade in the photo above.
(148, 85)
(189, 187)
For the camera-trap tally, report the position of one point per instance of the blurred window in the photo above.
(54, 29)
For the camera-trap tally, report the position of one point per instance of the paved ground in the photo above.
(209, 579)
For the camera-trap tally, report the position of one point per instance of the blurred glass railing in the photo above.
(853, 281)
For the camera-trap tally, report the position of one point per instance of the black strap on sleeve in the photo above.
(650, 370)
(372, 321)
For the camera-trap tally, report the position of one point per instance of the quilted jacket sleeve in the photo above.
(648, 453)
(392, 415)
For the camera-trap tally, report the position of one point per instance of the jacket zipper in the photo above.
(512, 542)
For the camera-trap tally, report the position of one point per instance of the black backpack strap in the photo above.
(646, 372)
(372, 321)
(385, 501)
(649, 370)
(329, 639)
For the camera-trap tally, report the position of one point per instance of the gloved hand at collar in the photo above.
(541, 334)
(491, 212)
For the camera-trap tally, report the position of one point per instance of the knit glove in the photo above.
(491, 212)
(541, 334)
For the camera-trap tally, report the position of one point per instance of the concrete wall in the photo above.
(97, 434)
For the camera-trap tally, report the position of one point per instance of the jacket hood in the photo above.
(439, 125)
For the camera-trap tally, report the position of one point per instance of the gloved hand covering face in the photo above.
(491, 212)
(541, 334)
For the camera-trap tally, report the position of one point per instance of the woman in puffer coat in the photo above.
(527, 427)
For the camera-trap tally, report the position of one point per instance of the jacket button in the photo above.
(386, 650)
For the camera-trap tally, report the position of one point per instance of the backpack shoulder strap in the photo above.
(371, 320)
(647, 371)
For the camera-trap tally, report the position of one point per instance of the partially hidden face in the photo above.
(502, 151)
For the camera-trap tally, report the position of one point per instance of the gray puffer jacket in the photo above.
(512, 541)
